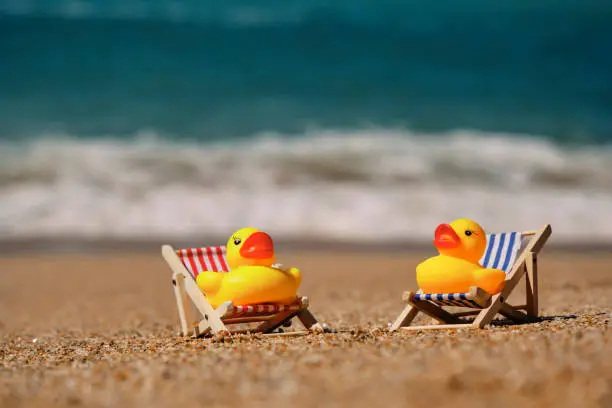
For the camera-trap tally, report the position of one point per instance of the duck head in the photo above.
(249, 247)
(462, 238)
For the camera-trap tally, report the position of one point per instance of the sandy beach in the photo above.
(100, 330)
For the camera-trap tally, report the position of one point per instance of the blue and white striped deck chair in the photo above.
(513, 252)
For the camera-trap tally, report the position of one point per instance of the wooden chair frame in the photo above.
(526, 265)
(217, 320)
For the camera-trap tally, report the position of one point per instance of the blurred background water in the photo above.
(345, 120)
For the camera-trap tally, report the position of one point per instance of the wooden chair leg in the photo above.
(405, 318)
(499, 306)
(203, 327)
(531, 282)
(486, 315)
(514, 315)
(182, 303)
(275, 322)
(308, 320)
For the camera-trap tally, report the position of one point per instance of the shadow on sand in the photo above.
(541, 319)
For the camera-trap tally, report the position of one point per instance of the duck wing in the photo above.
(491, 280)
(210, 282)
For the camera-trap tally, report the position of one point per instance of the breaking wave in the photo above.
(369, 185)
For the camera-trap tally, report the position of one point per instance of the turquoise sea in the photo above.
(356, 120)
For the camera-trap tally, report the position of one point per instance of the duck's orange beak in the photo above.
(258, 246)
(445, 237)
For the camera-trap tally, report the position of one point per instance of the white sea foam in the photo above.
(363, 186)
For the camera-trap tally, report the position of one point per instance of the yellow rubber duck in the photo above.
(461, 245)
(252, 277)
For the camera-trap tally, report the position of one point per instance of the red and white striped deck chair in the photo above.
(187, 263)
(513, 252)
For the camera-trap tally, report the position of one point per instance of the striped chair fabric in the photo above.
(500, 253)
(197, 260)
(264, 309)
(212, 259)
(451, 299)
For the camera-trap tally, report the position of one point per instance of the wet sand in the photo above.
(99, 330)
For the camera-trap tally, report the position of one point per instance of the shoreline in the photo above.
(21, 246)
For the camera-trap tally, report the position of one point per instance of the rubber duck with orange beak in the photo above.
(461, 245)
(252, 278)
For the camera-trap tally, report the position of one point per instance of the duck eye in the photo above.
(237, 241)
(468, 233)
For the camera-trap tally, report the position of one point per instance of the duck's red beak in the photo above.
(258, 246)
(445, 237)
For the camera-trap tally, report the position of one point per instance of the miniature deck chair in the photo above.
(187, 263)
(503, 252)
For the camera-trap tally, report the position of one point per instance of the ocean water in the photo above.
(358, 121)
